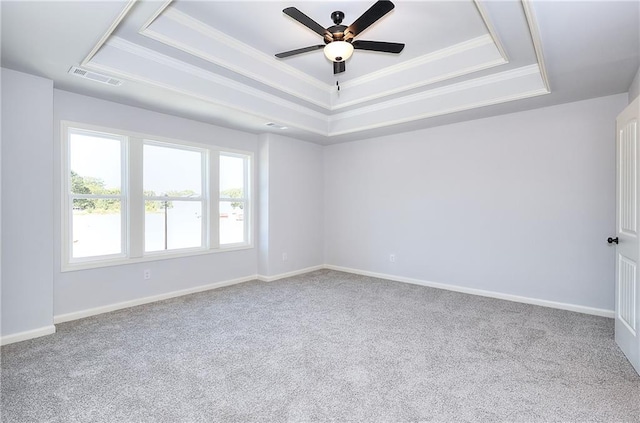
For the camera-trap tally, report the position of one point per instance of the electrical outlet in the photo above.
(147, 273)
(285, 257)
(392, 258)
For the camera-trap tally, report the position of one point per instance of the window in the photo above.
(96, 197)
(128, 197)
(233, 201)
(173, 201)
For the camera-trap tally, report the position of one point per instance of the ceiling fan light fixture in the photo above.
(338, 51)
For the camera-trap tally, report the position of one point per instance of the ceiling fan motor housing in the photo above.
(338, 33)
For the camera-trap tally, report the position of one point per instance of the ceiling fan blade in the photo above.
(299, 51)
(338, 67)
(375, 12)
(378, 46)
(308, 22)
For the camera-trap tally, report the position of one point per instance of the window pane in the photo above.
(95, 164)
(172, 224)
(231, 176)
(231, 222)
(97, 228)
(172, 171)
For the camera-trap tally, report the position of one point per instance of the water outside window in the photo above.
(172, 173)
(95, 178)
(232, 211)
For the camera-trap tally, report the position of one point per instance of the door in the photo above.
(627, 314)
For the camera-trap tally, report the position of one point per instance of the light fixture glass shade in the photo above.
(338, 51)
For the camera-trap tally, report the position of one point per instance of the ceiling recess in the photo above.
(94, 76)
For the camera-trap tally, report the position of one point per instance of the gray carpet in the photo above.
(325, 346)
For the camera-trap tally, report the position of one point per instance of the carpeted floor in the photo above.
(325, 346)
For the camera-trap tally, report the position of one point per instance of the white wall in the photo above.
(27, 204)
(80, 290)
(292, 205)
(518, 204)
(634, 88)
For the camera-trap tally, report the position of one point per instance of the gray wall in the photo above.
(292, 205)
(86, 289)
(634, 88)
(519, 204)
(27, 203)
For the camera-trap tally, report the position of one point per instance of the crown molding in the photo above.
(491, 29)
(140, 51)
(183, 18)
(319, 93)
(126, 59)
(118, 55)
(474, 55)
(419, 61)
(131, 61)
(534, 31)
(443, 77)
(478, 53)
(153, 17)
(124, 12)
(460, 86)
(460, 108)
(506, 86)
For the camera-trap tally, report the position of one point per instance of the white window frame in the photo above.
(132, 197)
(68, 212)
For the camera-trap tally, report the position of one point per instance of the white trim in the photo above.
(419, 61)
(29, 334)
(491, 29)
(133, 235)
(447, 89)
(534, 31)
(108, 33)
(483, 293)
(422, 83)
(261, 114)
(261, 59)
(61, 318)
(267, 60)
(264, 278)
(155, 15)
(190, 22)
(467, 106)
(162, 59)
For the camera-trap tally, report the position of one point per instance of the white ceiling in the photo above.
(214, 61)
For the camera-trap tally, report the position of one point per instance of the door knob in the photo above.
(612, 240)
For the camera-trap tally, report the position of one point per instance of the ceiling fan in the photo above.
(338, 39)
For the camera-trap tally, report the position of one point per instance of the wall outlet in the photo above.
(285, 257)
(147, 274)
(392, 258)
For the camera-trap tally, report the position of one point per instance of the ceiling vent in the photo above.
(275, 125)
(94, 76)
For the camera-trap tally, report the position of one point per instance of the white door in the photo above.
(628, 249)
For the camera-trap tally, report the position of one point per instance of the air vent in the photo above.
(275, 125)
(94, 76)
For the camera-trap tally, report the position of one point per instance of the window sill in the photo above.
(72, 267)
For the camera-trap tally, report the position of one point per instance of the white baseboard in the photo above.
(29, 334)
(61, 318)
(118, 306)
(264, 278)
(483, 293)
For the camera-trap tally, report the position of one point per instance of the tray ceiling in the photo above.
(214, 61)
